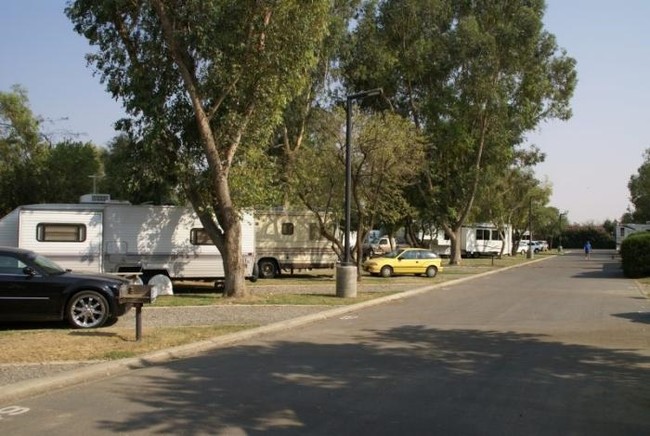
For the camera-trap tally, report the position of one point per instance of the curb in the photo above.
(29, 388)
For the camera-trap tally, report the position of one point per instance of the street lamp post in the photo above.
(346, 272)
(559, 236)
(530, 229)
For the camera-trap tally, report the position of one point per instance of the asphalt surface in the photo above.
(555, 347)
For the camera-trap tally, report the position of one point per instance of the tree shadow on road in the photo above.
(406, 380)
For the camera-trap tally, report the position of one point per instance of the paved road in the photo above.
(557, 347)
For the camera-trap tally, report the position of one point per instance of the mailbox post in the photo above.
(137, 295)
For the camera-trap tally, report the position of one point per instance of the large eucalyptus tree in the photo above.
(207, 79)
(474, 76)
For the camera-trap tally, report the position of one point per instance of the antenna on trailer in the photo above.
(95, 177)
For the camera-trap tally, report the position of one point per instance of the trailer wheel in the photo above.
(164, 284)
(267, 269)
(432, 271)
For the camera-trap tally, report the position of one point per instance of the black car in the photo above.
(34, 288)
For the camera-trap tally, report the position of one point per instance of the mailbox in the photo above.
(137, 294)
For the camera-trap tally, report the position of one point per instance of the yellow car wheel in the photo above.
(386, 271)
(432, 271)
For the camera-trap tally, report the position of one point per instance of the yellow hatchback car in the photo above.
(405, 261)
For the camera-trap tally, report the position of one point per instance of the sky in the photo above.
(589, 158)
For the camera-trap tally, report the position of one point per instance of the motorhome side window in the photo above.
(57, 232)
(482, 234)
(200, 237)
(287, 228)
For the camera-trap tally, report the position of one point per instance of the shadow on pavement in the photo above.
(406, 380)
(640, 317)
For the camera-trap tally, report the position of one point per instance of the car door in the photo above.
(25, 296)
(408, 263)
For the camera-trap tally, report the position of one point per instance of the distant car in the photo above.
(405, 261)
(537, 246)
(543, 245)
(34, 288)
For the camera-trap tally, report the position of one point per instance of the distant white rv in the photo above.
(290, 240)
(625, 230)
(482, 239)
(161, 243)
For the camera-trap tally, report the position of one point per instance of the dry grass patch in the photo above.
(52, 345)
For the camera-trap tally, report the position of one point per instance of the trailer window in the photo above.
(482, 234)
(56, 232)
(200, 237)
(287, 228)
(496, 236)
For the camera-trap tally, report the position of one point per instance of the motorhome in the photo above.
(290, 240)
(160, 243)
(625, 230)
(476, 240)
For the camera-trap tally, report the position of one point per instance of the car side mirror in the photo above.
(29, 271)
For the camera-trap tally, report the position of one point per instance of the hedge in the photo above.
(635, 253)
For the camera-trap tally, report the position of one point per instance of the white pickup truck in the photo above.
(383, 245)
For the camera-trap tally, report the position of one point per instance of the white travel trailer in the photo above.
(476, 240)
(290, 240)
(159, 242)
(625, 230)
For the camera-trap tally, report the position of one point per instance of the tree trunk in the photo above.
(233, 261)
(455, 239)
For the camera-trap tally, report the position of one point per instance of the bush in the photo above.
(576, 236)
(635, 252)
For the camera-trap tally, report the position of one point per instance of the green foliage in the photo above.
(139, 172)
(23, 151)
(576, 236)
(639, 187)
(69, 169)
(473, 76)
(635, 254)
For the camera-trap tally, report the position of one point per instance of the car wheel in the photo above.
(432, 271)
(267, 269)
(87, 309)
(386, 271)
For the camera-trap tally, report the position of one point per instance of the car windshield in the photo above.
(48, 265)
(393, 254)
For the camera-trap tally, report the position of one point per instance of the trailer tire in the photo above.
(164, 284)
(268, 269)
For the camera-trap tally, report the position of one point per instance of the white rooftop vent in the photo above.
(95, 198)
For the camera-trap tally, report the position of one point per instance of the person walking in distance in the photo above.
(587, 250)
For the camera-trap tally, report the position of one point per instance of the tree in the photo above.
(474, 76)
(23, 152)
(132, 172)
(71, 169)
(306, 111)
(639, 187)
(386, 156)
(209, 80)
